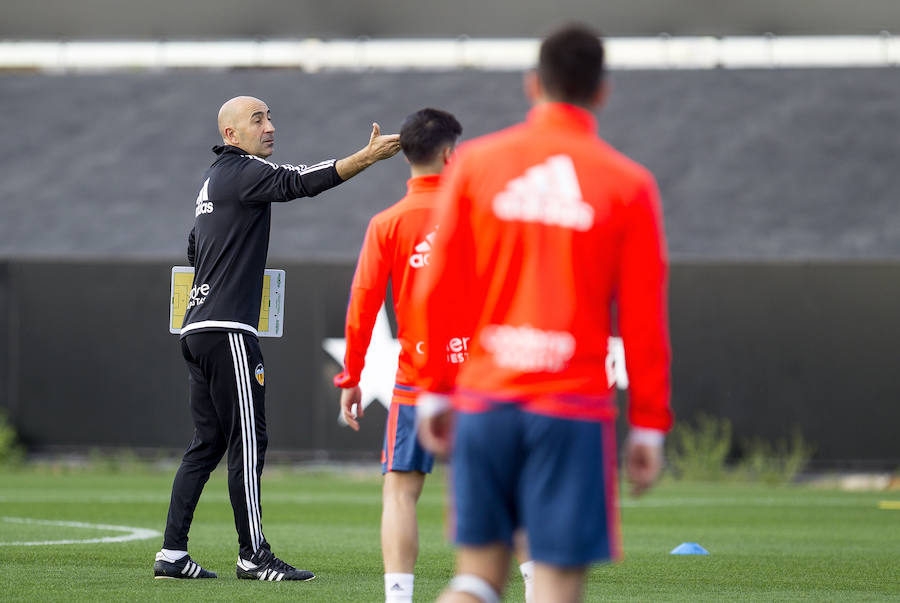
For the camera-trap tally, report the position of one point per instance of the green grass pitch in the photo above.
(766, 543)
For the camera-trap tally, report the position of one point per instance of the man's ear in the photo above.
(229, 136)
(601, 95)
(447, 153)
(531, 83)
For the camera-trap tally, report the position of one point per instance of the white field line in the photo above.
(131, 533)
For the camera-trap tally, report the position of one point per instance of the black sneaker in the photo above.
(264, 565)
(184, 568)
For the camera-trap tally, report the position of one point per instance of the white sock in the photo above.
(527, 570)
(173, 556)
(398, 588)
(475, 586)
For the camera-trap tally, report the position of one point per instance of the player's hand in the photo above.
(381, 146)
(436, 432)
(350, 397)
(643, 462)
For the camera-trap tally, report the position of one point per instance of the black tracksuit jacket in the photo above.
(229, 242)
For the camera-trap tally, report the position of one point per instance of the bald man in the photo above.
(227, 247)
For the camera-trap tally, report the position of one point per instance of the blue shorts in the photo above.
(555, 477)
(401, 450)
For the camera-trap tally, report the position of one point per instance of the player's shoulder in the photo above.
(623, 178)
(228, 155)
(410, 204)
(252, 162)
(234, 166)
(403, 210)
(482, 153)
(484, 156)
(388, 214)
(620, 164)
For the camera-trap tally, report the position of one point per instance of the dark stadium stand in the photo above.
(752, 164)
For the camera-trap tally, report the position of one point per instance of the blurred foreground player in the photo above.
(228, 246)
(544, 227)
(397, 246)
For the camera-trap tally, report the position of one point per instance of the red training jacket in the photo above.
(397, 246)
(544, 228)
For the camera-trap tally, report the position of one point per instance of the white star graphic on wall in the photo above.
(616, 373)
(377, 379)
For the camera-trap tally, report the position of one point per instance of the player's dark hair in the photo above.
(426, 132)
(570, 66)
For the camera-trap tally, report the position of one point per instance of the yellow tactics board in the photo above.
(271, 311)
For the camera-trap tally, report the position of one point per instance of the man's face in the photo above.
(254, 129)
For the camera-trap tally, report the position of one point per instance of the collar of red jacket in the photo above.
(562, 115)
(423, 183)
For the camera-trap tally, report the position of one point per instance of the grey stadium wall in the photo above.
(167, 19)
(773, 346)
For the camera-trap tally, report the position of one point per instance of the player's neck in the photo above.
(417, 170)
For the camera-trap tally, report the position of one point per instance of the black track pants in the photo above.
(227, 398)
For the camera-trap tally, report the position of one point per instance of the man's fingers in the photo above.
(425, 435)
(386, 146)
(351, 421)
(388, 140)
(433, 443)
(359, 409)
(347, 410)
(434, 434)
(382, 146)
(640, 479)
(642, 464)
(349, 398)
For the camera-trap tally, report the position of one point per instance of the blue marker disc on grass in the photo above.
(689, 548)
